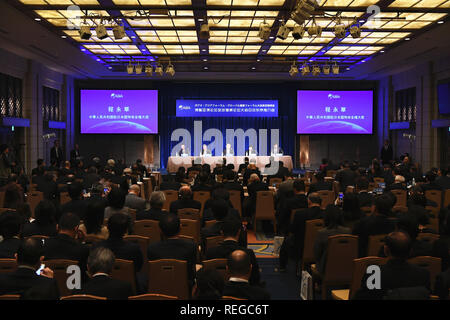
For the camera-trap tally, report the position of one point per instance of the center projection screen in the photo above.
(119, 111)
(334, 112)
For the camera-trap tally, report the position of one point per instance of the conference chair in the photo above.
(209, 223)
(149, 229)
(2, 198)
(39, 237)
(312, 227)
(341, 251)
(142, 190)
(232, 298)
(432, 264)
(366, 211)
(148, 188)
(91, 239)
(376, 242)
(190, 228)
(33, 186)
(82, 297)
(428, 237)
(10, 297)
(432, 210)
(276, 181)
(434, 195)
(400, 209)
(33, 198)
(219, 265)
(7, 265)
(327, 197)
(59, 267)
(212, 242)
(2, 210)
(132, 213)
(359, 270)
(152, 296)
(433, 220)
(64, 198)
(189, 213)
(171, 196)
(143, 243)
(331, 173)
(447, 198)
(265, 209)
(401, 197)
(124, 270)
(202, 197)
(235, 198)
(378, 180)
(169, 277)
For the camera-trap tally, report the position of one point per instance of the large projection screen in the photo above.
(334, 112)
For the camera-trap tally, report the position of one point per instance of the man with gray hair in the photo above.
(157, 199)
(133, 200)
(100, 265)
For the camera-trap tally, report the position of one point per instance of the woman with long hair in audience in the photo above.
(93, 222)
(334, 225)
(45, 220)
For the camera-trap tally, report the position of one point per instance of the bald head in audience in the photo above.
(135, 189)
(185, 192)
(314, 200)
(397, 245)
(239, 265)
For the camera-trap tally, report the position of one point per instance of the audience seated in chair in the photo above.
(45, 220)
(77, 205)
(185, 200)
(157, 199)
(93, 222)
(10, 225)
(298, 201)
(132, 200)
(208, 285)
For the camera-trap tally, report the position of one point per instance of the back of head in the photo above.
(220, 209)
(75, 189)
(185, 193)
(238, 264)
(409, 224)
(157, 199)
(203, 177)
(383, 205)
(135, 189)
(398, 245)
(231, 226)
(117, 225)
(29, 252)
(170, 225)
(95, 216)
(333, 216)
(430, 176)
(362, 184)
(101, 260)
(299, 185)
(221, 193)
(210, 284)
(229, 175)
(10, 224)
(315, 199)
(69, 222)
(45, 212)
(116, 198)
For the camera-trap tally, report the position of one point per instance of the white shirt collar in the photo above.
(100, 274)
(235, 279)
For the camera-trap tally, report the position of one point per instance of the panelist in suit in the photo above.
(251, 151)
(183, 151)
(205, 151)
(228, 151)
(276, 150)
(100, 265)
(75, 153)
(56, 154)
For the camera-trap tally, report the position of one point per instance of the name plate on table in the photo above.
(206, 155)
(185, 155)
(277, 154)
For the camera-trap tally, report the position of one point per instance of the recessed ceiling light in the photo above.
(205, 60)
(253, 68)
(133, 37)
(206, 68)
(363, 61)
(258, 60)
(63, 37)
(440, 22)
(382, 51)
(83, 49)
(271, 37)
(407, 39)
(98, 59)
(201, 20)
(362, 21)
(109, 67)
(264, 50)
(204, 50)
(37, 19)
(347, 69)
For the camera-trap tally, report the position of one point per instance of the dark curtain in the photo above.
(285, 122)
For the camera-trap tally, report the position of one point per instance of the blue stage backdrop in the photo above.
(285, 122)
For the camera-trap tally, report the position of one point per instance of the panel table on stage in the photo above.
(176, 162)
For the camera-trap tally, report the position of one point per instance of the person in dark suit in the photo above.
(202, 182)
(239, 267)
(253, 187)
(244, 165)
(208, 285)
(346, 177)
(44, 224)
(251, 168)
(444, 179)
(75, 153)
(292, 246)
(133, 201)
(205, 151)
(386, 154)
(47, 185)
(251, 152)
(169, 183)
(40, 169)
(185, 200)
(90, 178)
(387, 175)
(183, 151)
(231, 229)
(29, 258)
(10, 224)
(172, 247)
(430, 184)
(377, 223)
(397, 275)
(126, 250)
(365, 199)
(442, 285)
(276, 150)
(76, 205)
(66, 244)
(157, 199)
(228, 151)
(399, 184)
(230, 183)
(220, 209)
(100, 265)
(298, 201)
(56, 154)
(321, 184)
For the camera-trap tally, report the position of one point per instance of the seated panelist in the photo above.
(183, 151)
(276, 150)
(251, 151)
(228, 151)
(205, 151)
